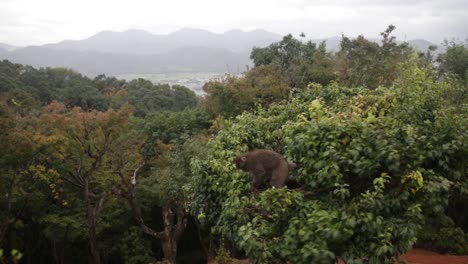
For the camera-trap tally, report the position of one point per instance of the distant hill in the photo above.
(7, 47)
(420, 44)
(332, 43)
(187, 59)
(137, 51)
(142, 42)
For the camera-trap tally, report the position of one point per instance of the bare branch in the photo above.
(76, 177)
(96, 196)
(139, 218)
(73, 182)
(151, 232)
(133, 181)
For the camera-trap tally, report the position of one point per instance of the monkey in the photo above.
(264, 162)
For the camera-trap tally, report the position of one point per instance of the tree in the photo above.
(16, 147)
(368, 64)
(24, 197)
(172, 128)
(299, 63)
(173, 214)
(163, 185)
(86, 97)
(455, 60)
(9, 75)
(148, 98)
(161, 175)
(86, 159)
(103, 82)
(262, 85)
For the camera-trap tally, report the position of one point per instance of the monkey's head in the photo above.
(241, 162)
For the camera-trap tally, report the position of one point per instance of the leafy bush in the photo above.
(449, 239)
(373, 165)
(135, 249)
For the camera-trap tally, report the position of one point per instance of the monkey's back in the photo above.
(269, 158)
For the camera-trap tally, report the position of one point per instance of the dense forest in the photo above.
(102, 170)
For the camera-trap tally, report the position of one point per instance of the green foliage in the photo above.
(61, 164)
(368, 64)
(148, 98)
(262, 85)
(223, 256)
(164, 129)
(300, 63)
(134, 249)
(451, 240)
(175, 127)
(104, 83)
(373, 165)
(31, 88)
(170, 173)
(16, 256)
(85, 96)
(65, 223)
(455, 60)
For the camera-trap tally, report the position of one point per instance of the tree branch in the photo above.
(131, 198)
(72, 182)
(78, 179)
(99, 204)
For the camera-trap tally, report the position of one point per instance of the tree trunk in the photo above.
(174, 226)
(92, 240)
(169, 247)
(92, 213)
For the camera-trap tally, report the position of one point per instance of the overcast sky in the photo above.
(33, 22)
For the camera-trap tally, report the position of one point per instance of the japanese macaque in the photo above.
(263, 163)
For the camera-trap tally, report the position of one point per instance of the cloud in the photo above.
(36, 22)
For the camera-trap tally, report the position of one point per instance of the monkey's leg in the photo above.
(279, 176)
(258, 173)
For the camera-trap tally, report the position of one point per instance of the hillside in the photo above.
(7, 47)
(138, 51)
(143, 42)
(186, 59)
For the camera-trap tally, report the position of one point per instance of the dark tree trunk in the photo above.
(92, 213)
(172, 232)
(169, 248)
(92, 240)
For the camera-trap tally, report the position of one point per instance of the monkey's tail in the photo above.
(291, 165)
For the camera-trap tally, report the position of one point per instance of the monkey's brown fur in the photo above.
(265, 163)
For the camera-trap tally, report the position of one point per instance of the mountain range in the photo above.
(140, 42)
(5, 47)
(137, 51)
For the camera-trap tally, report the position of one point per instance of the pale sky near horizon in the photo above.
(33, 22)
